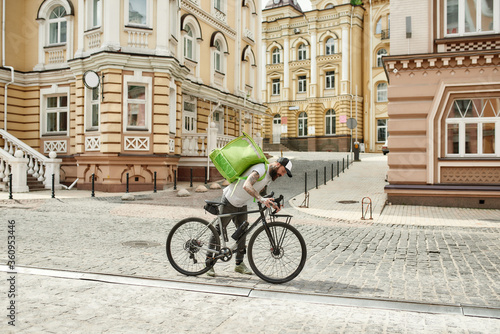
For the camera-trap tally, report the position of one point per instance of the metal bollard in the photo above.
(347, 162)
(332, 172)
(10, 186)
(175, 179)
(338, 168)
(127, 182)
(316, 179)
(191, 178)
(343, 165)
(206, 175)
(324, 176)
(92, 194)
(154, 189)
(53, 184)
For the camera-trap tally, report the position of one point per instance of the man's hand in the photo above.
(269, 202)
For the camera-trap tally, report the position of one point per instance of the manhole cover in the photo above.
(348, 202)
(140, 244)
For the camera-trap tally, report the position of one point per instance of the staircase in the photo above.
(34, 184)
(268, 147)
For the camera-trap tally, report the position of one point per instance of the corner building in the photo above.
(176, 78)
(444, 103)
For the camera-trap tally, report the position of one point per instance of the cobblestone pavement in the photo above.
(432, 262)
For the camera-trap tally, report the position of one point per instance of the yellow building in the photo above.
(323, 67)
(127, 87)
(444, 103)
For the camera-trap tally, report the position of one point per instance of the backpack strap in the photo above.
(246, 177)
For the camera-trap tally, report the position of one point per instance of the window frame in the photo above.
(330, 75)
(382, 93)
(138, 80)
(330, 122)
(330, 46)
(381, 127)
(218, 65)
(276, 56)
(148, 13)
(276, 87)
(58, 21)
(302, 52)
(57, 110)
(462, 135)
(302, 124)
(90, 104)
(461, 18)
(189, 43)
(94, 11)
(302, 84)
(380, 53)
(189, 117)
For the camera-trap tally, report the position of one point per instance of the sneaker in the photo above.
(211, 272)
(242, 269)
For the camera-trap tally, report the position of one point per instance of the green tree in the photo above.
(356, 2)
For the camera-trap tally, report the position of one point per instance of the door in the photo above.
(276, 129)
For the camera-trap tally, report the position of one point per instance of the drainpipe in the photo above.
(4, 66)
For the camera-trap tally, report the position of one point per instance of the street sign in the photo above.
(352, 123)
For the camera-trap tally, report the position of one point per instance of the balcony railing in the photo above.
(385, 34)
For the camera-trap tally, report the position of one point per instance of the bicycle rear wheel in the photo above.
(278, 264)
(188, 245)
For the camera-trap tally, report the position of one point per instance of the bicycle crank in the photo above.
(225, 254)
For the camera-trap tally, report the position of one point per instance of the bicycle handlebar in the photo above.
(277, 201)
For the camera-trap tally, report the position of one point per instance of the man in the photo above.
(236, 196)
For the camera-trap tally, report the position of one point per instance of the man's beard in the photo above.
(273, 171)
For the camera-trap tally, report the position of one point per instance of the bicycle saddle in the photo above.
(213, 202)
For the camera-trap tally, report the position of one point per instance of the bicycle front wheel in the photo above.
(280, 260)
(189, 244)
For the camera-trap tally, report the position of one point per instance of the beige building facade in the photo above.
(137, 88)
(444, 103)
(323, 67)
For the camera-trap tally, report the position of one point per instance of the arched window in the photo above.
(57, 26)
(378, 27)
(380, 54)
(217, 57)
(277, 119)
(330, 46)
(329, 6)
(302, 124)
(330, 122)
(382, 92)
(188, 43)
(276, 56)
(302, 54)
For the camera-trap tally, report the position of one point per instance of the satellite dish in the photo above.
(91, 79)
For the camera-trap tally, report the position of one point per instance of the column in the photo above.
(345, 61)
(111, 23)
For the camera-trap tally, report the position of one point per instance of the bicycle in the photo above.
(276, 251)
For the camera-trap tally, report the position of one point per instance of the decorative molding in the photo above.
(470, 175)
(58, 146)
(204, 16)
(93, 143)
(136, 143)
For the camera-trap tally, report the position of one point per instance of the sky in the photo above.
(304, 4)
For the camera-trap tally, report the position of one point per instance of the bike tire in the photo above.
(285, 264)
(184, 244)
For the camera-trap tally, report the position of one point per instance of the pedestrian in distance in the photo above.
(252, 185)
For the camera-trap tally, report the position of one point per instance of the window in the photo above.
(217, 57)
(381, 130)
(302, 52)
(188, 43)
(382, 92)
(330, 46)
(302, 124)
(95, 13)
(276, 86)
(473, 127)
(378, 27)
(277, 119)
(136, 106)
(330, 122)
(218, 119)
(302, 84)
(189, 115)
(329, 6)
(330, 80)
(93, 115)
(472, 17)
(218, 4)
(276, 56)
(137, 12)
(56, 114)
(380, 54)
(57, 26)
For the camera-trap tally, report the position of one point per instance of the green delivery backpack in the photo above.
(237, 156)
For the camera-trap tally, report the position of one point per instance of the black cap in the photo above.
(287, 164)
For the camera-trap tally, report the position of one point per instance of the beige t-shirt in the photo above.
(238, 196)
